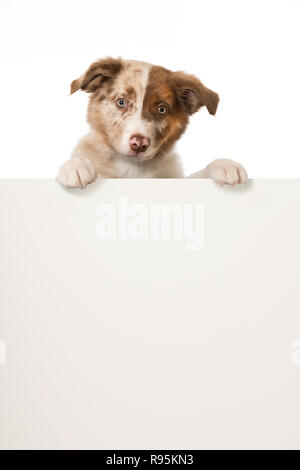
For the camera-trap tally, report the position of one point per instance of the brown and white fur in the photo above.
(137, 111)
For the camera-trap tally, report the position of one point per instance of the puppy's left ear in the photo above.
(97, 73)
(194, 94)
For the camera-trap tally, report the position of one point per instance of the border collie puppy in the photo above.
(137, 111)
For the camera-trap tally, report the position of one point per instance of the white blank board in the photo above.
(145, 344)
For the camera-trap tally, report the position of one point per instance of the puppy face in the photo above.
(141, 109)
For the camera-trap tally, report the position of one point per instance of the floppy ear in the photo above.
(99, 72)
(194, 94)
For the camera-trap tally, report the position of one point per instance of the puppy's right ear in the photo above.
(98, 73)
(193, 93)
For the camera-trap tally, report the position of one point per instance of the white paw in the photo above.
(76, 173)
(226, 172)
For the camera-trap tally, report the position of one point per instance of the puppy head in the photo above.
(141, 109)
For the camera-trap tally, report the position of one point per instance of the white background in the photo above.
(247, 51)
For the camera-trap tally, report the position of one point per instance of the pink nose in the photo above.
(139, 143)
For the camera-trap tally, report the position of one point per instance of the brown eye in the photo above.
(121, 103)
(162, 109)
